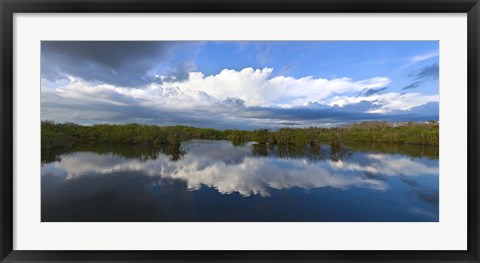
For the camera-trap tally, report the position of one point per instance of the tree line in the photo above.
(70, 134)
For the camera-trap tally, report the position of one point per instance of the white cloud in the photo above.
(257, 88)
(224, 97)
(418, 58)
(254, 87)
(344, 100)
(387, 102)
(393, 101)
(423, 57)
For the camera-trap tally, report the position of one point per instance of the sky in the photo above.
(239, 84)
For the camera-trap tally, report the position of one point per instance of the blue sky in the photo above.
(241, 85)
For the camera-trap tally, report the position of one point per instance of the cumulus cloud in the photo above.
(230, 99)
(257, 88)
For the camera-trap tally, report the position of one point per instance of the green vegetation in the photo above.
(145, 142)
(68, 135)
(71, 134)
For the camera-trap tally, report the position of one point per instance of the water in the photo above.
(215, 181)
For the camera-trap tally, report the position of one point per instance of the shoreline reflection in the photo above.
(251, 170)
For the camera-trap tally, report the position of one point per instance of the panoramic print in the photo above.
(239, 131)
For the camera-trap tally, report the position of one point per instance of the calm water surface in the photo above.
(205, 180)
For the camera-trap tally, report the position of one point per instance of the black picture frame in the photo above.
(9, 7)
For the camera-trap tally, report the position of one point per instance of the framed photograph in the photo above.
(235, 131)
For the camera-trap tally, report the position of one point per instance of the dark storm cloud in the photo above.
(423, 110)
(120, 63)
(234, 102)
(426, 73)
(412, 85)
(307, 113)
(61, 109)
(352, 112)
(181, 72)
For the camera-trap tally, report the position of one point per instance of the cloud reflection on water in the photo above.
(229, 169)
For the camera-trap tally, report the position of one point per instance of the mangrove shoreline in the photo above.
(54, 135)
